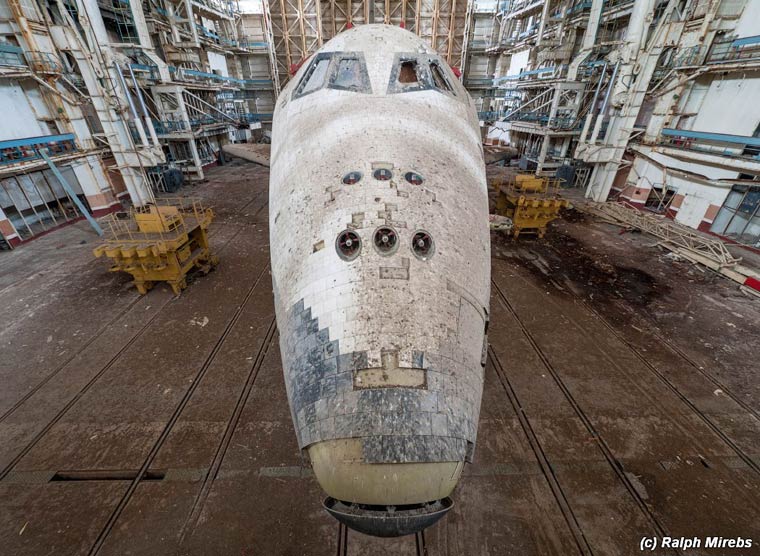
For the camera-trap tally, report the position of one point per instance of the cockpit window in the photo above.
(408, 75)
(439, 79)
(315, 75)
(350, 73)
(346, 71)
(408, 72)
(418, 72)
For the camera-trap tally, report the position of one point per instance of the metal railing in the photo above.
(578, 7)
(14, 151)
(491, 116)
(255, 117)
(227, 7)
(251, 44)
(609, 4)
(168, 127)
(43, 62)
(11, 55)
(568, 123)
(719, 52)
(39, 62)
(146, 71)
(532, 30)
(185, 74)
(747, 48)
(76, 80)
(206, 32)
(517, 5)
(176, 215)
(720, 144)
(479, 82)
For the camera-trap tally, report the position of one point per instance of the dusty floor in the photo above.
(622, 400)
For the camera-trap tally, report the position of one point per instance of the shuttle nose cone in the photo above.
(388, 521)
(382, 499)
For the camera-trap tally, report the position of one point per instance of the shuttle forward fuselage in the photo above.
(381, 268)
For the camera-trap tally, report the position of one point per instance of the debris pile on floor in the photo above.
(684, 242)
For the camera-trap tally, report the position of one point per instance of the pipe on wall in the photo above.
(592, 115)
(605, 104)
(146, 116)
(135, 117)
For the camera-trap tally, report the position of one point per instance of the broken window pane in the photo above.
(314, 78)
(349, 75)
(408, 72)
(413, 72)
(439, 78)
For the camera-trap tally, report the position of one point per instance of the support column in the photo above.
(101, 77)
(196, 158)
(97, 26)
(95, 186)
(589, 38)
(8, 230)
(600, 182)
(138, 16)
(191, 23)
(542, 154)
(542, 24)
(641, 16)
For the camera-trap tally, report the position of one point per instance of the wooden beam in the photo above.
(452, 32)
(318, 10)
(301, 15)
(436, 15)
(286, 36)
(332, 14)
(417, 18)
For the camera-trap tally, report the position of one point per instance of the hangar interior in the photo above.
(621, 390)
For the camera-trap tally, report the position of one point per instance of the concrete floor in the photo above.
(622, 400)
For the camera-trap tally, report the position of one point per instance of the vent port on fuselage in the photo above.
(386, 240)
(413, 178)
(422, 245)
(348, 244)
(382, 174)
(352, 177)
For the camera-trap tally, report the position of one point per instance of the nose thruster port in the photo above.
(348, 245)
(422, 245)
(386, 240)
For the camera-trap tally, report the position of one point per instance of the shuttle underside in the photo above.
(380, 263)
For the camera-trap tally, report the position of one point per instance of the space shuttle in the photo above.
(380, 255)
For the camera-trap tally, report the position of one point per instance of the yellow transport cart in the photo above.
(531, 202)
(160, 242)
